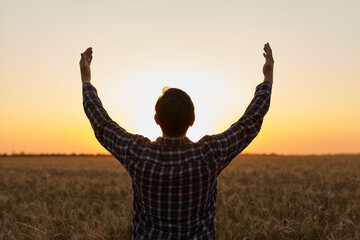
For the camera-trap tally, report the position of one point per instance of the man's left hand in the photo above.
(85, 62)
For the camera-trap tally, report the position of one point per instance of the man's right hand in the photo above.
(269, 64)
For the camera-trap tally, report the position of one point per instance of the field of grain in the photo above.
(259, 197)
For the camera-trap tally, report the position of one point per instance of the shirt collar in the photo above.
(173, 141)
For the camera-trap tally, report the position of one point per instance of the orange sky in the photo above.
(211, 49)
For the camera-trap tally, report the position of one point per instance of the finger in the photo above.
(268, 52)
(266, 47)
(269, 48)
(88, 50)
(82, 59)
(88, 54)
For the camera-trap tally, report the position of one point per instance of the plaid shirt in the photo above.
(174, 180)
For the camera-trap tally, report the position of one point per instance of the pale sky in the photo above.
(211, 49)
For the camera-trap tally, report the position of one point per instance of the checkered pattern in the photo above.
(175, 180)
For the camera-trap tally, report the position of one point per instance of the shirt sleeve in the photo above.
(121, 144)
(227, 145)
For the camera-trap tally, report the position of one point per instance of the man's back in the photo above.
(174, 185)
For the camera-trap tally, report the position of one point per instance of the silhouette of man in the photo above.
(174, 180)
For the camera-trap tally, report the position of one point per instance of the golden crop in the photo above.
(259, 197)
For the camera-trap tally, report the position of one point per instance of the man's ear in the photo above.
(156, 119)
(192, 122)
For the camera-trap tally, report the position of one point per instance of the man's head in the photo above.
(174, 112)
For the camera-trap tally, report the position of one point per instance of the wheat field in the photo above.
(259, 197)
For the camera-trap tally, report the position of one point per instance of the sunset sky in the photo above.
(210, 49)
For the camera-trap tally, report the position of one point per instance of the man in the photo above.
(174, 179)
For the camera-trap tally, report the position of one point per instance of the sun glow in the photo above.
(141, 91)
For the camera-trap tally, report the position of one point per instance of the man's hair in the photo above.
(175, 112)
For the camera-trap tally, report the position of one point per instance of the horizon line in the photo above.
(22, 154)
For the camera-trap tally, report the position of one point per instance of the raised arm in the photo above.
(111, 136)
(234, 140)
